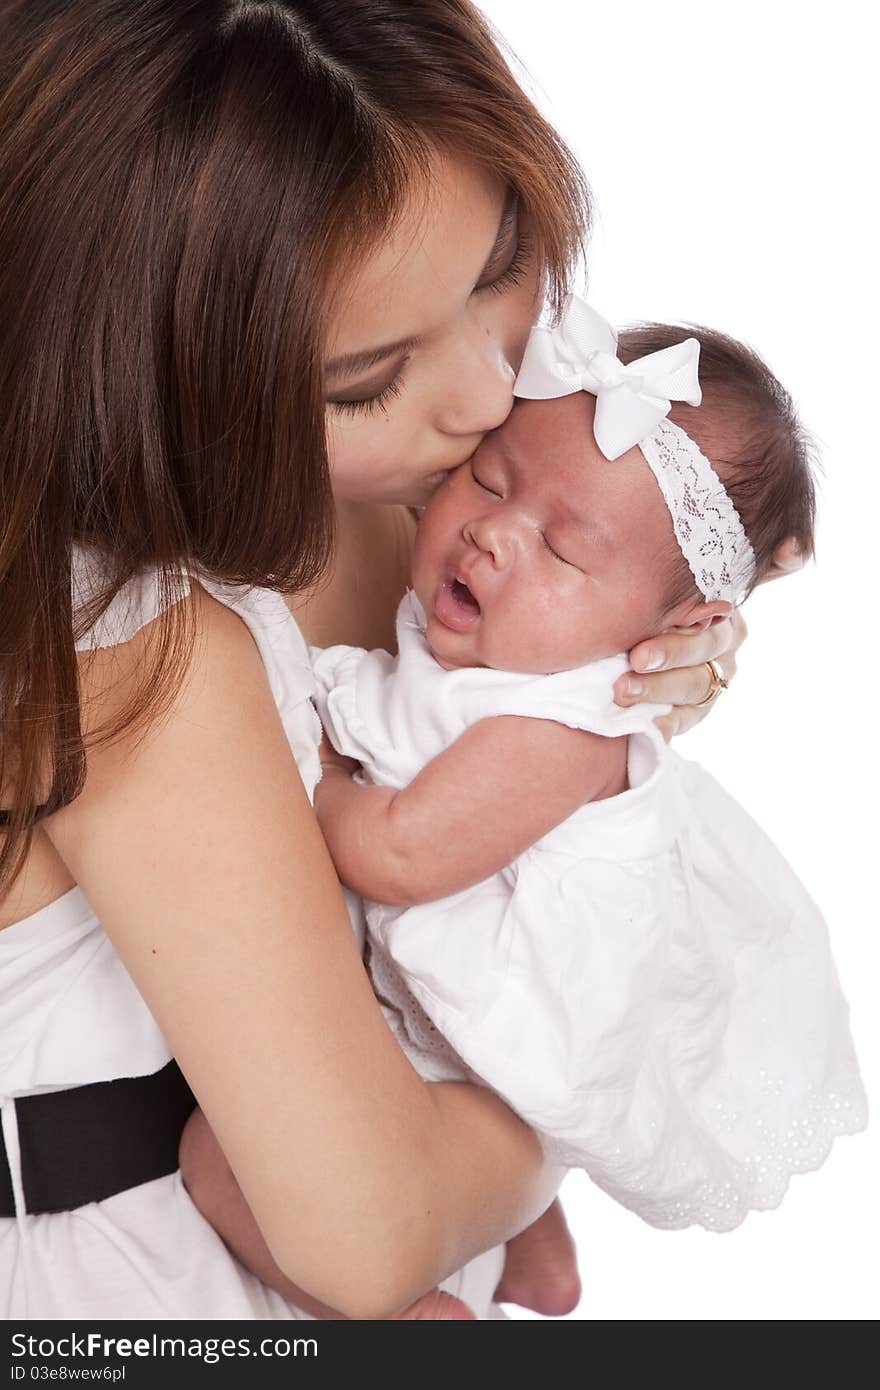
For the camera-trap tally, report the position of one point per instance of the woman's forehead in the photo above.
(424, 268)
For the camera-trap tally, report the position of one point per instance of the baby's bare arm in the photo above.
(497, 790)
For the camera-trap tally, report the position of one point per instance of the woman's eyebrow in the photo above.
(362, 361)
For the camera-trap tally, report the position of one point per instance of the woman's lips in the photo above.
(455, 606)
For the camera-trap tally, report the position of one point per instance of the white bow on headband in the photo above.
(580, 354)
(632, 403)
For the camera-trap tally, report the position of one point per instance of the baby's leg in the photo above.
(212, 1186)
(540, 1270)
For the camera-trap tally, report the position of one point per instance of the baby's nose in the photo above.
(489, 534)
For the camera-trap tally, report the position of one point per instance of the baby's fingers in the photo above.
(436, 1307)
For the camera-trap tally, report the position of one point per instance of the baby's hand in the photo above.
(436, 1307)
(330, 759)
(540, 1270)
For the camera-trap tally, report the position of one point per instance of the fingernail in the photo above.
(631, 687)
(653, 661)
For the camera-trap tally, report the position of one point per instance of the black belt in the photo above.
(89, 1142)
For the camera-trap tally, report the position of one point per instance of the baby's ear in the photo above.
(694, 615)
(788, 558)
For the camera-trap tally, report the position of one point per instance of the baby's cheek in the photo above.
(535, 639)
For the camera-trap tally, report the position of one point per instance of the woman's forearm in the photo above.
(211, 1184)
(498, 1178)
(214, 1190)
(418, 1204)
(471, 1208)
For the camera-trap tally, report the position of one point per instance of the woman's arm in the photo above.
(504, 784)
(211, 1185)
(198, 849)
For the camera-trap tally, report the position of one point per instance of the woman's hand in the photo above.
(671, 670)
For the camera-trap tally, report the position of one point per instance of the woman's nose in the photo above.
(480, 394)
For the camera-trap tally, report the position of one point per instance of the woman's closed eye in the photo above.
(515, 271)
(517, 267)
(367, 398)
(510, 256)
(508, 264)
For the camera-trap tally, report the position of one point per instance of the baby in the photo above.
(559, 906)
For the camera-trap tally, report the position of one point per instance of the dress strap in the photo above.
(137, 603)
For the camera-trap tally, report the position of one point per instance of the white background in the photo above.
(733, 154)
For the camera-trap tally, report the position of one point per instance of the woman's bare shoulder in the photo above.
(109, 679)
(206, 633)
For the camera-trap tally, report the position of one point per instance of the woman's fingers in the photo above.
(679, 720)
(686, 685)
(671, 669)
(676, 649)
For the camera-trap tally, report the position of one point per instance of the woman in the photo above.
(250, 252)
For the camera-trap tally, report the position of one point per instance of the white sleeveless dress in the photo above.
(71, 1015)
(649, 986)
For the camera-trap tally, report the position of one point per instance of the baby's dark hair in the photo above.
(748, 428)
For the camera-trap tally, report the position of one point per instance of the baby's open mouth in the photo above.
(455, 605)
(462, 595)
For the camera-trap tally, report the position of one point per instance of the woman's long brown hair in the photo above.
(179, 181)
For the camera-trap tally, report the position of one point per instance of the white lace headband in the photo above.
(632, 402)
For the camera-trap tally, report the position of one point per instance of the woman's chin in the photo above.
(424, 490)
(416, 492)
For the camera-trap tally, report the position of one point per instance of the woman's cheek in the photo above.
(356, 456)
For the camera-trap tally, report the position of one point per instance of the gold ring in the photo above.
(717, 683)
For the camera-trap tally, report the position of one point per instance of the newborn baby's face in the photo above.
(539, 555)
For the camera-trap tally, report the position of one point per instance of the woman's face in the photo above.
(424, 345)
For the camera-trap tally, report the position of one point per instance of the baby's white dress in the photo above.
(649, 986)
(70, 1015)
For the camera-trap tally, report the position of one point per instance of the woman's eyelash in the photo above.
(369, 404)
(515, 271)
(511, 276)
